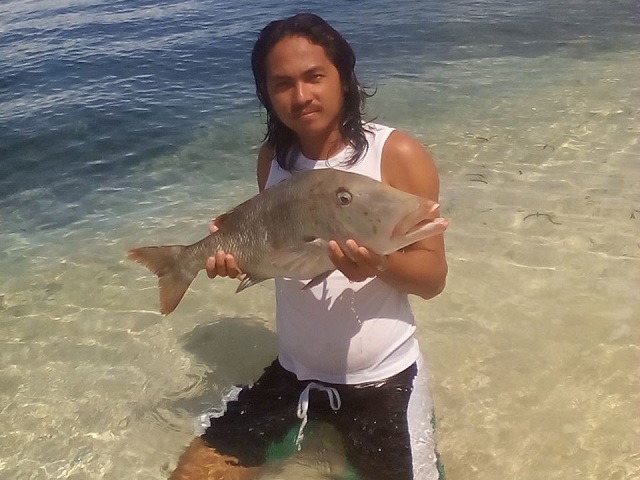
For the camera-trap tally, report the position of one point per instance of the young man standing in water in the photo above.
(347, 351)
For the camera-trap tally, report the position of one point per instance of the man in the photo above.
(347, 352)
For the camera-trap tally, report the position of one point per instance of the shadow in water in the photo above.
(235, 349)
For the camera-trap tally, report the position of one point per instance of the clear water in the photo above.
(128, 123)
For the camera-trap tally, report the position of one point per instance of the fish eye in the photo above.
(344, 197)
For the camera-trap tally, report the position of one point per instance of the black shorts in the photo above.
(372, 421)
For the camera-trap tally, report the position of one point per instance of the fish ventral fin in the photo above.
(317, 280)
(248, 281)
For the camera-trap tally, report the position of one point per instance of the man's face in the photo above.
(304, 87)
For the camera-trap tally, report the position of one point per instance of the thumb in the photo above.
(213, 226)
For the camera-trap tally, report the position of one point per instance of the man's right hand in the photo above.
(221, 264)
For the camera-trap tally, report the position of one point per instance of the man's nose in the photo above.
(301, 93)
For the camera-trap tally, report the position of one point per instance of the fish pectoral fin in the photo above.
(302, 261)
(317, 279)
(248, 281)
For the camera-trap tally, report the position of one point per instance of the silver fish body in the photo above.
(285, 230)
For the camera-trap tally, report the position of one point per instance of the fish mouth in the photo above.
(428, 228)
(419, 224)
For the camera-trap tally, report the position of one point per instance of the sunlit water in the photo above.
(129, 123)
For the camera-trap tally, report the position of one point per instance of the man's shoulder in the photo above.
(374, 127)
(406, 162)
(402, 144)
(266, 152)
(265, 157)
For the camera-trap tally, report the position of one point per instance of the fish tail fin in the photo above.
(173, 278)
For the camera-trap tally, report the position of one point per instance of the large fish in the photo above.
(285, 231)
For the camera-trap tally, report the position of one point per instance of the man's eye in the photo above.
(279, 85)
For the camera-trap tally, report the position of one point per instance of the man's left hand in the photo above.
(355, 262)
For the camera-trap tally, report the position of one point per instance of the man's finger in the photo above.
(221, 266)
(352, 251)
(335, 253)
(231, 266)
(211, 267)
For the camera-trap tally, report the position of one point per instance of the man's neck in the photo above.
(322, 147)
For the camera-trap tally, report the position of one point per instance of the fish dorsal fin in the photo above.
(220, 219)
(307, 260)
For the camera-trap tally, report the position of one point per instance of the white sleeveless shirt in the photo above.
(340, 331)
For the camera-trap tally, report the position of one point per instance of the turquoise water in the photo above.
(128, 123)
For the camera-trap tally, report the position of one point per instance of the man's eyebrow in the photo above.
(309, 71)
(277, 77)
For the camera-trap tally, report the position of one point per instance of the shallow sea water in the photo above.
(534, 345)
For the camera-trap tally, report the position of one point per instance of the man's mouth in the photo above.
(305, 113)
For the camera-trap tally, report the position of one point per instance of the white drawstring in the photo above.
(303, 405)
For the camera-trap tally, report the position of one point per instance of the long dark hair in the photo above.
(280, 137)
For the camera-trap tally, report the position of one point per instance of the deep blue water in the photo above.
(91, 89)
